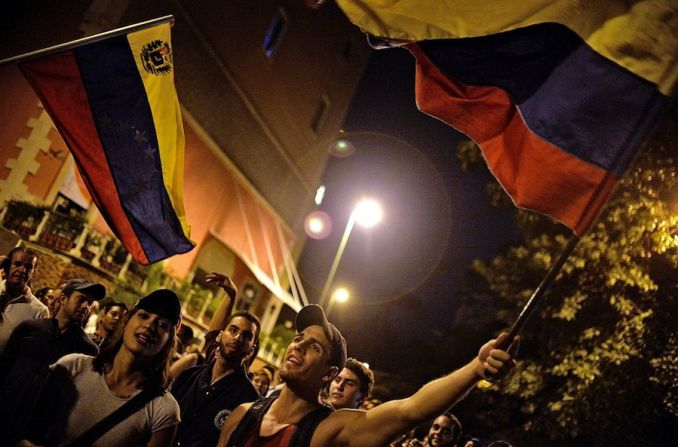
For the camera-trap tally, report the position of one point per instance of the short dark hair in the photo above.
(456, 430)
(365, 375)
(111, 304)
(8, 262)
(42, 292)
(248, 316)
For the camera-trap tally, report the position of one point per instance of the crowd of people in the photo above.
(139, 377)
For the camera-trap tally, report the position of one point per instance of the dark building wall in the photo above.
(260, 109)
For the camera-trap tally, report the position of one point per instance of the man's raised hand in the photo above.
(223, 281)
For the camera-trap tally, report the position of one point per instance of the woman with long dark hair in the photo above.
(84, 390)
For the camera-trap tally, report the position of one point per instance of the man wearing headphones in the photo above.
(208, 393)
(17, 303)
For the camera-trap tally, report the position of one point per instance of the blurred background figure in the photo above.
(112, 313)
(445, 431)
(368, 404)
(53, 300)
(262, 380)
(43, 293)
(472, 442)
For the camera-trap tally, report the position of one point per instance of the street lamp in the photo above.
(340, 295)
(367, 213)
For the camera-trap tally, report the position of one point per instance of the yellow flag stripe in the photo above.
(641, 36)
(169, 129)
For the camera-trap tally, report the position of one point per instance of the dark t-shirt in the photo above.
(24, 366)
(204, 406)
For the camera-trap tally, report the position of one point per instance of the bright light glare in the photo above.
(368, 213)
(341, 295)
(319, 195)
(316, 225)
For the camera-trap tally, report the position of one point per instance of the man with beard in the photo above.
(208, 393)
(352, 386)
(17, 303)
(444, 431)
(111, 316)
(36, 344)
(315, 356)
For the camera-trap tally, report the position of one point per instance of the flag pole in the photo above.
(539, 292)
(85, 40)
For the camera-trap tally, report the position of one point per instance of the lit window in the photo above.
(275, 33)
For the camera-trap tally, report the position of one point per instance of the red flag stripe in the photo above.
(535, 173)
(76, 126)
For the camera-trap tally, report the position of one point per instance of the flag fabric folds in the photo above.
(115, 104)
(557, 94)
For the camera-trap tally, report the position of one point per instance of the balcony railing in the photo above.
(72, 236)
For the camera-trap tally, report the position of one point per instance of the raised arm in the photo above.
(382, 424)
(226, 305)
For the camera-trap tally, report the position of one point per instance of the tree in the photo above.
(600, 358)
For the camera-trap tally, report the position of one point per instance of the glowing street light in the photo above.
(340, 295)
(366, 213)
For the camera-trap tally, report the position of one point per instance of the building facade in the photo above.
(264, 87)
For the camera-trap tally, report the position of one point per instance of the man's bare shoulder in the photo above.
(333, 429)
(232, 422)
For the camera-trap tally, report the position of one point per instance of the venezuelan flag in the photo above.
(115, 104)
(559, 95)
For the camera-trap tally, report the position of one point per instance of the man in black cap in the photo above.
(314, 357)
(36, 344)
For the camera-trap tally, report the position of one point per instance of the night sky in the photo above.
(437, 218)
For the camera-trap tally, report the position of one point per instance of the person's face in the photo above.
(261, 383)
(345, 390)
(307, 358)
(54, 302)
(21, 268)
(146, 333)
(75, 307)
(441, 431)
(111, 319)
(237, 340)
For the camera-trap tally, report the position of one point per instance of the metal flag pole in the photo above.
(539, 292)
(86, 40)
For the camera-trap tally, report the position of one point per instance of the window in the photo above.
(246, 297)
(320, 112)
(275, 33)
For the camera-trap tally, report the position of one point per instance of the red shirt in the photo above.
(279, 439)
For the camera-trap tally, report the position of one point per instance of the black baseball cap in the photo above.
(163, 302)
(91, 289)
(313, 315)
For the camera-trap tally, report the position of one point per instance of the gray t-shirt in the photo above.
(26, 307)
(95, 401)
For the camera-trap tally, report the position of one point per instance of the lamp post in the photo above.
(340, 295)
(366, 213)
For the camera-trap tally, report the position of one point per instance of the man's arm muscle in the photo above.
(231, 423)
